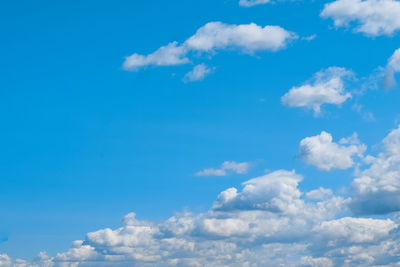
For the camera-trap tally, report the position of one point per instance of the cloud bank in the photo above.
(267, 221)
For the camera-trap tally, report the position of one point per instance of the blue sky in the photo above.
(85, 142)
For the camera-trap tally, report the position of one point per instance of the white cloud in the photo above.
(276, 191)
(377, 189)
(267, 223)
(392, 67)
(247, 38)
(226, 168)
(354, 230)
(321, 152)
(308, 261)
(320, 193)
(373, 17)
(198, 73)
(326, 87)
(168, 55)
(250, 3)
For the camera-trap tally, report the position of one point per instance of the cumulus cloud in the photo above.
(321, 152)
(266, 223)
(392, 67)
(226, 168)
(198, 73)
(214, 36)
(377, 189)
(326, 87)
(250, 3)
(372, 17)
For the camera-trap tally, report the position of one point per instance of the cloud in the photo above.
(198, 73)
(266, 223)
(392, 67)
(377, 188)
(326, 87)
(168, 55)
(276, 191)
(321, 152)
(372, 17)
(250, 3)
(226, 168)
(214, 36)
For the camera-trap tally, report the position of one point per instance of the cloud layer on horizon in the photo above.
(269, 220)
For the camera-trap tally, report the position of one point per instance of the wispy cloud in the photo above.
(226, 168)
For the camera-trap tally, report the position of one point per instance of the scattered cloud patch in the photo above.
(392, 67)
(372, 17)
(214, 36)
(326, 87)
(226, 168)
(198, 73)
(321, 152)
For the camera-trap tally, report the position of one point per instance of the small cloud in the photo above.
(226, 168)
(198, 73)
(250, 3)
(309, 38)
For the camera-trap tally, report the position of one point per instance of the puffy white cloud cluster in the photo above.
(373, 17)
(377, 189)
(321, 152)
(269, 222)
(392, 67)
(247, 38)
(326, 87)
(226, 168)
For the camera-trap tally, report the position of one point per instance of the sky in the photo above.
(200, 133)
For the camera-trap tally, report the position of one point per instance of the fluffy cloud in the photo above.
(392, 67)
(247, 38)
(198, 73)
(326, 87)
(321, 152)
(226, 168)
(276, 191)
(250, 3)
(373, 17)
(266, 223)
(377, 189)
